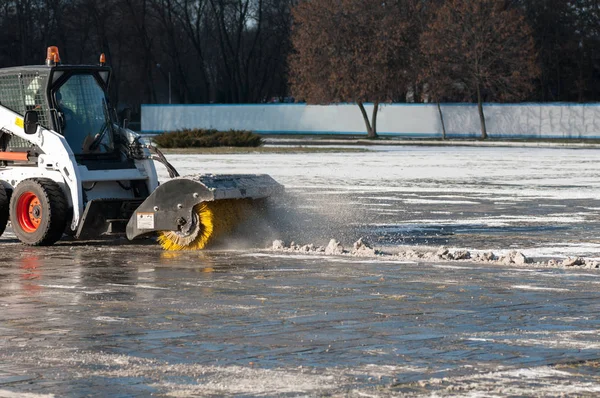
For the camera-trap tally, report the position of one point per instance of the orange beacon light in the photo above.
(52, 57)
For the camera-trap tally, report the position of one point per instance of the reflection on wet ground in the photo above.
(132, 320)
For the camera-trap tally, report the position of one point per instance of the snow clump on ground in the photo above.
(363, 248)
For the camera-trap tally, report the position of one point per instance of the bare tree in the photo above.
(350, 51)
(239, 50)
(481, 45)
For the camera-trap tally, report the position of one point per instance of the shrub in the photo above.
(201, 138)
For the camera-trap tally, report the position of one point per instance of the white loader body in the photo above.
(58, 163)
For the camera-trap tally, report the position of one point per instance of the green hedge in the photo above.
(200, 138)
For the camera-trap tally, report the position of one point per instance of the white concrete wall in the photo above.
(410, 120)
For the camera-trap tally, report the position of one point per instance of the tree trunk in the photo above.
(371, 132)
(374, 119)
(481, 115)
(442, 120)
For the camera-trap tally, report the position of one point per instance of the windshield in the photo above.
(84, 115)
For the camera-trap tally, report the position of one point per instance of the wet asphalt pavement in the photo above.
(134, 321)
(111, 318)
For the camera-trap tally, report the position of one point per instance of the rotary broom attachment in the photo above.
(191, 213)
(211, 222)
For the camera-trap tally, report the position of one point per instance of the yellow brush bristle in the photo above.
(216, 219)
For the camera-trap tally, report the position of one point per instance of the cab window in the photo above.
(84, 116)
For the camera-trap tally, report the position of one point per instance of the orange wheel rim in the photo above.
(29, 212)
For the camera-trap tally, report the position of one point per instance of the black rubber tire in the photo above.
(54, 208)
(4, 206)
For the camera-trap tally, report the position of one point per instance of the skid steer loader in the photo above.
(68, 166)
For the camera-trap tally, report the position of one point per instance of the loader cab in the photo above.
(69, 99)
(81, 110)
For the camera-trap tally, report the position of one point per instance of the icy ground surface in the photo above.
(544, 202)
(110, 318)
